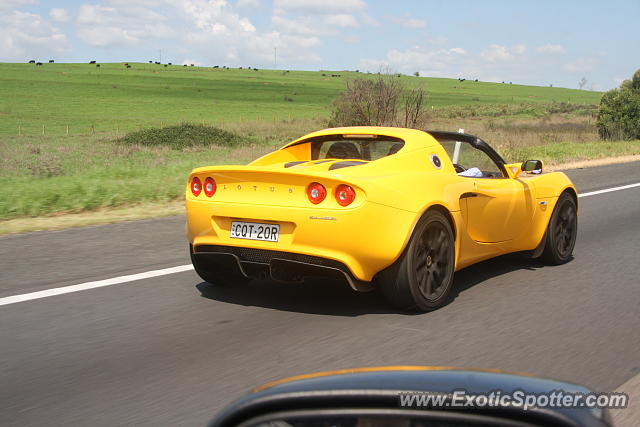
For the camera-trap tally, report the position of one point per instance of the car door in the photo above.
(499, 209)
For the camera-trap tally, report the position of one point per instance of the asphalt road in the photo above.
(172, 350)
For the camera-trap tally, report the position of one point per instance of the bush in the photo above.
(182, 136)
(619, 113)
(381, 101)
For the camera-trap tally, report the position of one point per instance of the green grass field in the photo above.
(113, 98)
(93, 168)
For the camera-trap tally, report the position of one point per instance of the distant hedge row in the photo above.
(182, 136)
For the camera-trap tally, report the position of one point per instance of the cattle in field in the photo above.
(92, 62)
(38, 63)
(32, 62)
(98, 65)
(128, 66)
(51, 61)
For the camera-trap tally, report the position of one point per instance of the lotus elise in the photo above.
(378, 207)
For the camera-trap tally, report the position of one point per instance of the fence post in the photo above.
(19, 130)
(67, 130)
(43, 129)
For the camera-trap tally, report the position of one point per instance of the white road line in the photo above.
(91, 285)
(608, 190)
(180, 268)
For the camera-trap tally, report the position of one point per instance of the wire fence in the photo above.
(118, 129)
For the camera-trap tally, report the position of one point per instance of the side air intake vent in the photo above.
(340, 165)
(288, 165)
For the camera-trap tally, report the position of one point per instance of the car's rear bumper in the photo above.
(358, 242)
(276, 265)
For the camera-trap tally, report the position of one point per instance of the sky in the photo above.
(525, 42)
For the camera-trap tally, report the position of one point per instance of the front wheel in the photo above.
(422, 277)
(561, 231)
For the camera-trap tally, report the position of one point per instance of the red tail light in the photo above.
(316, 192)
(210, 186)
(345, 195)
(196, 186)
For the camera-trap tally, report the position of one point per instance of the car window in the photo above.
(465, 157)
(361, 149)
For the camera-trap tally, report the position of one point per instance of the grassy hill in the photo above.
(95, 168)
(112, 97)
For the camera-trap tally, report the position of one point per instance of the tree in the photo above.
(582, 83)
(380, 101)
(619, 112)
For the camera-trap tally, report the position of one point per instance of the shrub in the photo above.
(182, 136)
(619, 113)
(381, 101)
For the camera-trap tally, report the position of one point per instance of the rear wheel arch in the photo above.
(447, 214)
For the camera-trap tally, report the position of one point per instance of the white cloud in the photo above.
(408, 21)
(496, 52)
(15, 4)
(59, 15)
(248, 4)
(437, 40)
(28, 36)
(302, 25)
(342, 21)
(221, 35)
(500, 53)
(431, 62)
(581, 64)
(551, 48)
(310, 25)
(317, 7)
(124, 25)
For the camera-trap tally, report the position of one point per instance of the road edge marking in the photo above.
(609, 190)
(92, 285)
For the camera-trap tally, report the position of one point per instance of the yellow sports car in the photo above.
(392, 208)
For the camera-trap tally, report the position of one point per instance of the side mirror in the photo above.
(532, 166)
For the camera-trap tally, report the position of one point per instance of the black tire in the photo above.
(422, 278)
(215, 277)
(561, 231)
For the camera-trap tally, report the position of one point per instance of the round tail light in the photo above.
(210, 186)
(196, 186)
(345, 195)
(316, 192)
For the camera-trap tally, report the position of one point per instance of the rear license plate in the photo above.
(255, 231)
